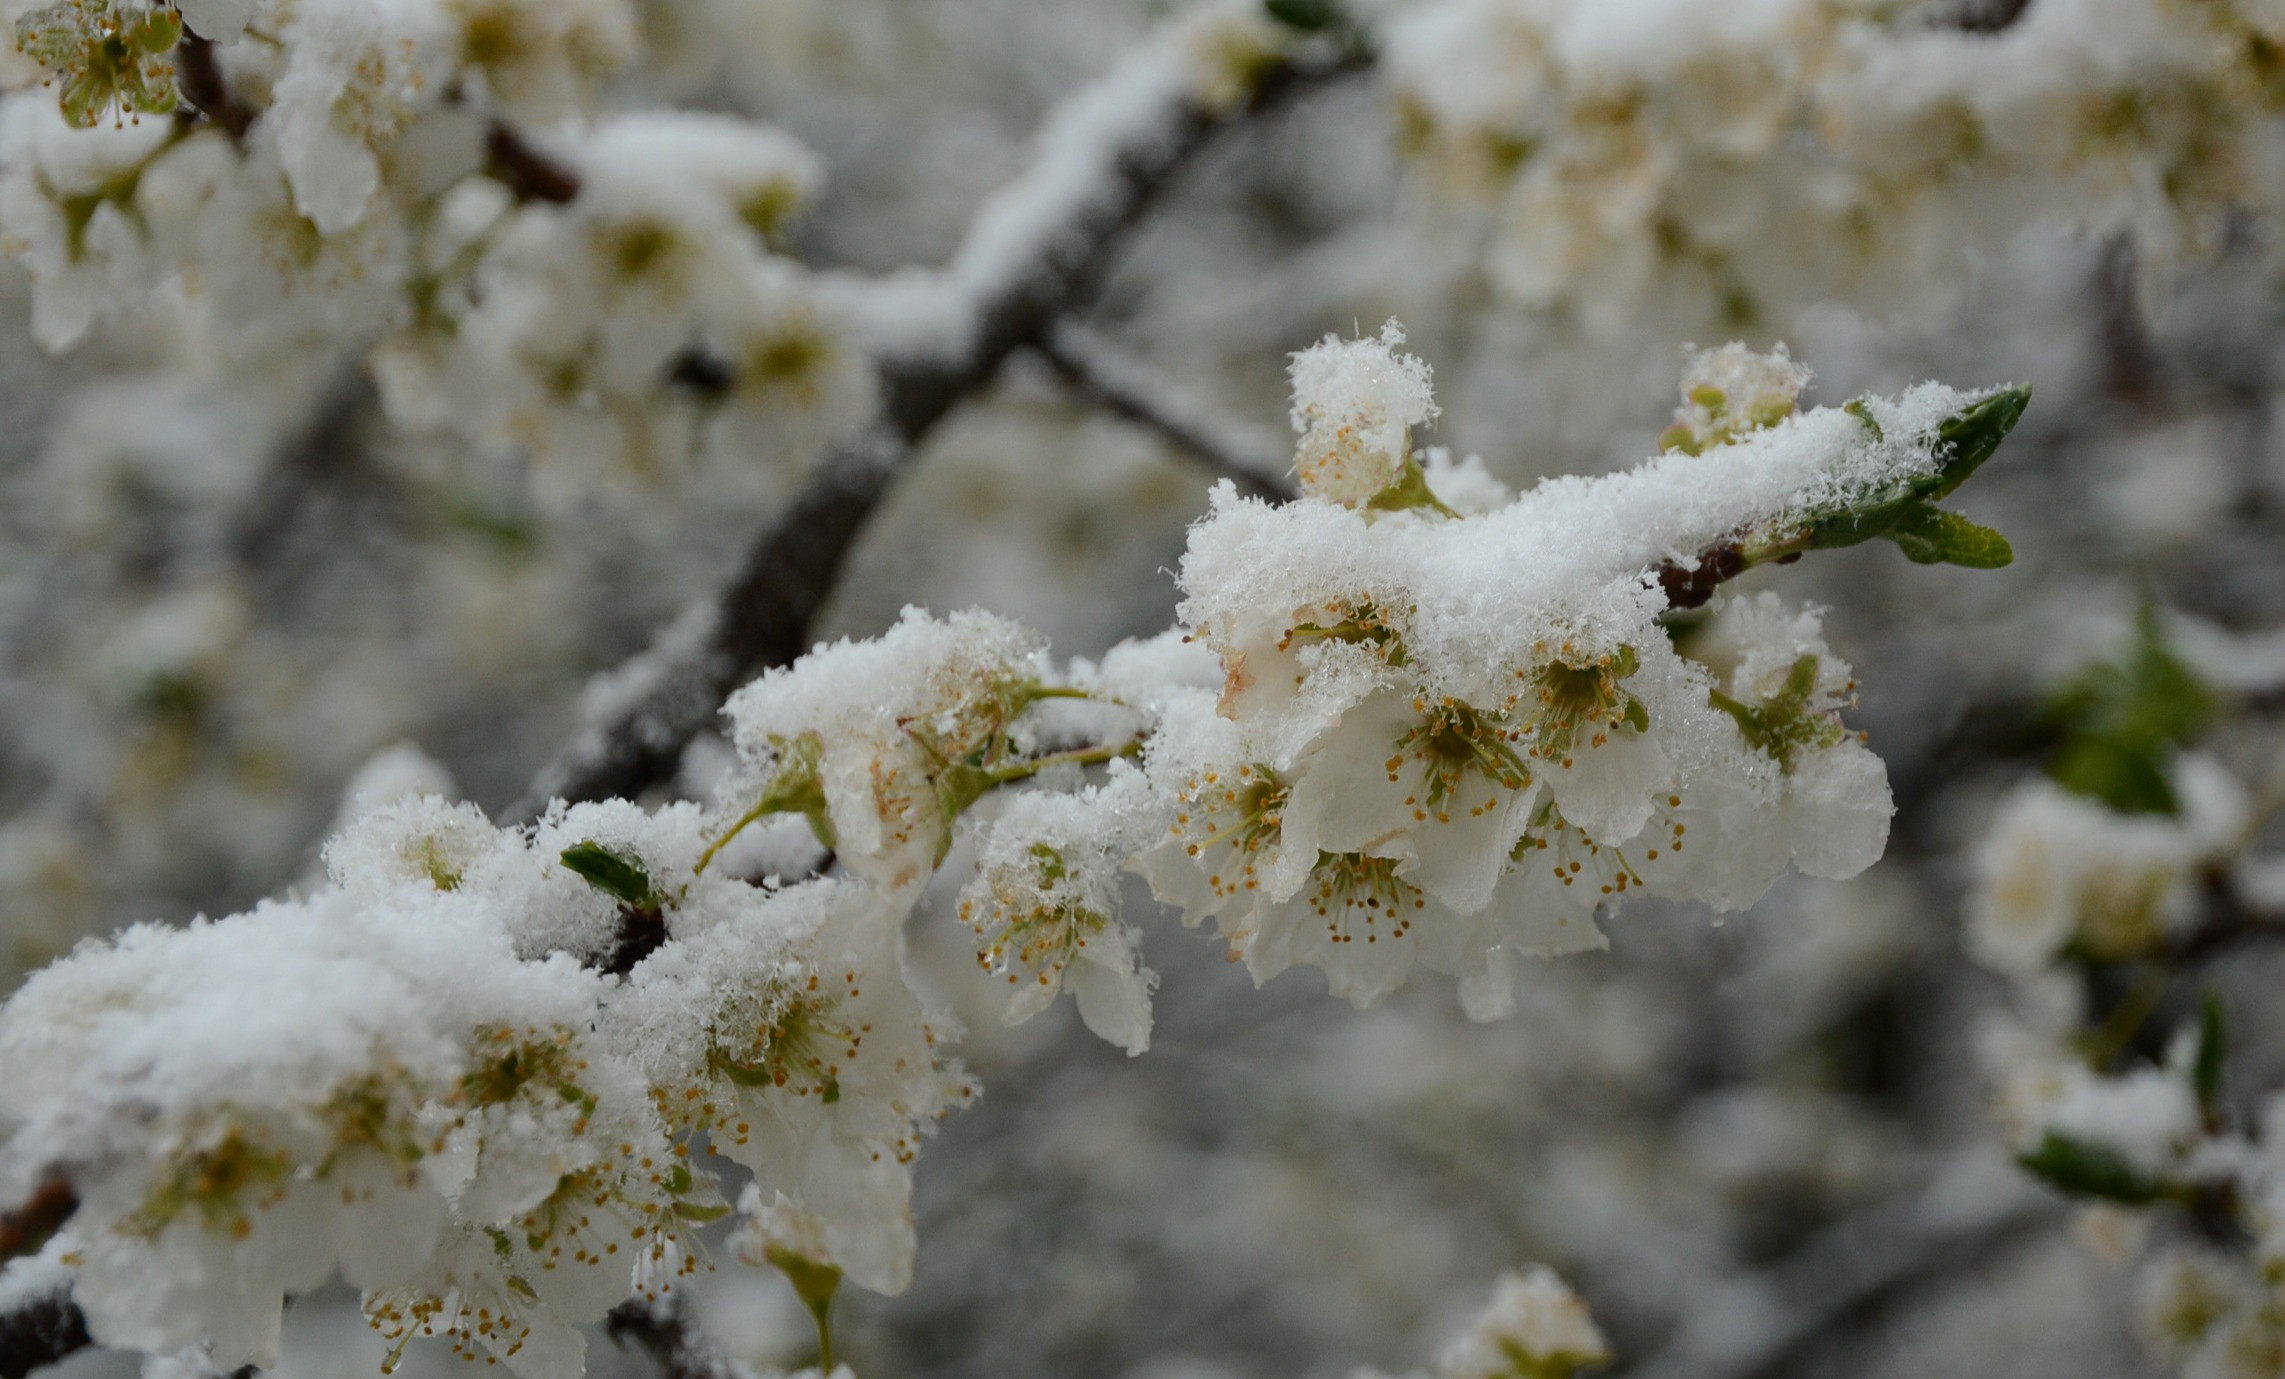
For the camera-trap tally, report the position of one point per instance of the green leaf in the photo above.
(2213, 1054)
(1307, 15)
(614, 873)
(1855, 525)
(1929, 536)
(1409, 490)
(2125, 777)
(2120, 724)
(1965, 441)
(2089, 1170)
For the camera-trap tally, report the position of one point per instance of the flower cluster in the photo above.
(2098, 888)
(475, 1071)
(429, 183)
(1741, 162)
(389, 1078)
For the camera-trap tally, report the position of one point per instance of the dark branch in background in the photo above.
(680, 1350)
(1989, 16)
(1757, 1325)
(1121, 386)
(271, 514)
(47, 1329)
(199, 74)
(524, 170)
(40, 1333)
(24, 1230)
(762, 616)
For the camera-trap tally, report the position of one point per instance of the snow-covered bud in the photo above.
(1355, 403)
(1731, 391)
(1534, 1328)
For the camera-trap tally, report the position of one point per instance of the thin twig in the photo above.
(1100, 372)
(762, 616)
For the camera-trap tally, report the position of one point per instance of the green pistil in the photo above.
(1785, 724)
(1352, 881)
(1584, 697)
(214, 1183)
(1454, 739)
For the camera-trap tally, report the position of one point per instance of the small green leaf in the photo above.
(2121, 723)
(616, 874)
(2089, 1170)
(2121, 775)
(1965, 441)
(1929, 536)
(2213, 1054)
(1855, 525)
(1306, 15)
(1862, 411)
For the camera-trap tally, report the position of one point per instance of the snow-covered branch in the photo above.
(1030, 258)
(1123, 387)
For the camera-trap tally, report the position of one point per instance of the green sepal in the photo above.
(616, 874)
(1409, 490)
(1966, 440)
(957, 787)
(2089, 1170)
(799, 788)
(1635, 715)
(700, 1212)
(1931, 536)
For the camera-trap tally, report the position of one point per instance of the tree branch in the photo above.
(40, 1333)
(1752, 1326)
(26, 1228)
(198, 74)
(667, 1335)
(524, 170)
(1032, 255)
(1098, 371)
